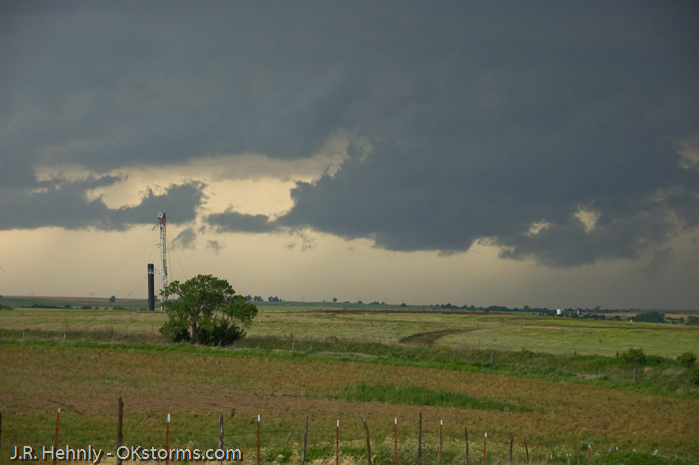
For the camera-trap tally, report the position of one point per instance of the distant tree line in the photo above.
(257, 298)
(598, 313)
(657, 317)
(650, 317)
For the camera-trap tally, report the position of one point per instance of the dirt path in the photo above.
(429, 337)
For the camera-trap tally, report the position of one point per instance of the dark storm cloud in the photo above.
(231, 221)
(529, 127)
(66, 205)
(185, 239)
(484, 118)
(113, 83)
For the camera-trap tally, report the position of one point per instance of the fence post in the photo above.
(337, 443)
(305, 437)
(466, 434)
(635, 375)
(512, 440)
(441, 424)
(368, 441)
(419, 439)
(167, 459)
(58, 427)
(120, 426)
(220, 435)
(526, 448)
(258, 439)
(395, 436)
(589, 454)
(485, 446)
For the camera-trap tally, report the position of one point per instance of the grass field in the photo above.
(472, 330)
(83, 360)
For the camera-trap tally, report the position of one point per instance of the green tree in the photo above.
(207, 311)
(633, 357)
(650, 317)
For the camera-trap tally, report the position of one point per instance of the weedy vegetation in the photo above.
(299, 362)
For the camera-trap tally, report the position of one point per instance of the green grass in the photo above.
(658, 375)
(501, 332)
(539, 385)
(74, 302)
(196, 383)
(638, 458)
(416, 396)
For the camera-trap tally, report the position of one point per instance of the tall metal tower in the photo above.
(163, 259)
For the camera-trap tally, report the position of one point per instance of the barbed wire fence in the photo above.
(398, 442)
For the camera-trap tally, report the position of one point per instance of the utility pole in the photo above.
(163, 259)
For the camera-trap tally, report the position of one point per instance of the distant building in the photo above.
(562, 312)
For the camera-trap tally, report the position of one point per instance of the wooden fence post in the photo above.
(441, 424)
(635, 375)
(512, 440)
(485, 446)
(58, 427)
(258, 440)
(167, 459)
(526, 448)
(395, 436)
(368, 440)
(589, 454)
(220, 434)
(466, 434)
(419, 439)
(305, 437)
(337, 443)
(120, 426)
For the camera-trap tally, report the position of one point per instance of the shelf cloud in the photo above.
(565, 133)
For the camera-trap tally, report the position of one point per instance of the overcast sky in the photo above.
(488, 153)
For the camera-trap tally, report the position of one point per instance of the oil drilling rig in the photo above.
(163, 265)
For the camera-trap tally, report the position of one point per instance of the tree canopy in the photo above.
(650, 317)
(206, 311)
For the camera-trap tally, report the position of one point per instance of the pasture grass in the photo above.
(466, 330)
(82, 360)
(411, 395)
(657, 375)
(195, 384)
